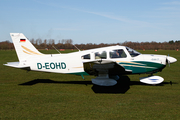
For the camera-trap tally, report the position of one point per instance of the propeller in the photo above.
(168, 61)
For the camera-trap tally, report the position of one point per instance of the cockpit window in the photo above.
(132, 52)
(101, 55)
(86, 56)
(118, 54)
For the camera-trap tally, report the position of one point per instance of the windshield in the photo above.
(132, 52)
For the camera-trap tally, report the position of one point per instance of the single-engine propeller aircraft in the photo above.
(107, 63)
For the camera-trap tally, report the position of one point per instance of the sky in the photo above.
(91, 21)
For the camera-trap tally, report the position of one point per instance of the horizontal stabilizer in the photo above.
(17, 65)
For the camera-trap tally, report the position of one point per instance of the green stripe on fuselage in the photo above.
(141, 66)
(79, 73)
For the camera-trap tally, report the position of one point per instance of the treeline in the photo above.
(6, 45)
(68, 44)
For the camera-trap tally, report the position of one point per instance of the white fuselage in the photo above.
(73, 62)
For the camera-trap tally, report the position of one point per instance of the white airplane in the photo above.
(107, 63)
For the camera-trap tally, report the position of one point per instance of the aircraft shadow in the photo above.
(122, 86)
(36, 81)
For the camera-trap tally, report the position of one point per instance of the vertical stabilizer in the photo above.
(23, 46)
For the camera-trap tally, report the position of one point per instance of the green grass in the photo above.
(37, 95)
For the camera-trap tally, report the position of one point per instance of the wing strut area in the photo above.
(103, 78)
(103, 69)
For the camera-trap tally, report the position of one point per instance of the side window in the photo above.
(118, 54)
(101, 55)
(86, 56)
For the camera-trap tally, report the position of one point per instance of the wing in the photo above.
(103, 69)
(105, 66)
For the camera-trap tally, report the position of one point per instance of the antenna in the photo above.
(76, 47)
(56, 50)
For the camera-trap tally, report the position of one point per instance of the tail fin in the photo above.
(23, 46)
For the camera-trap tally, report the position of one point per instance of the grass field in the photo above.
(37, 95)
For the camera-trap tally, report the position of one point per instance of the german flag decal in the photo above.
(22, 40)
